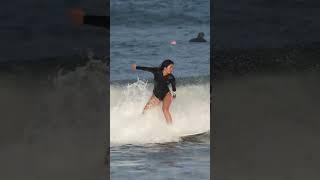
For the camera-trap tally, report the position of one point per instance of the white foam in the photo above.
(190, 113)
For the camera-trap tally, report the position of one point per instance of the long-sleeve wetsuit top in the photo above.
(100, 21)
(160, 82)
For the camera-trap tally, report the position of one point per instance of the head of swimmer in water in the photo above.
(167, 66)
(200, 35)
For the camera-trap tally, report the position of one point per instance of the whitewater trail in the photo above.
(190, 113)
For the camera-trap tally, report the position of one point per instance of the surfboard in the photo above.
(195, 137)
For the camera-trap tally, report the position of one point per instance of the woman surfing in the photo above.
(162, 78)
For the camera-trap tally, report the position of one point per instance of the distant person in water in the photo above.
(79, 17)
(162, 78)
(199, 38)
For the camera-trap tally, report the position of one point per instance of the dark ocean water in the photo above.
(177, 160)
(267, 126)
(266, 112)
(35, 30)
(53, 120)
(53, 91)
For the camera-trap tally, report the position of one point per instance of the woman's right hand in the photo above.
(133, 67)
(173, 94)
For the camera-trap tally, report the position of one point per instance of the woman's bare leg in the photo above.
(165, 107)
(152, 102)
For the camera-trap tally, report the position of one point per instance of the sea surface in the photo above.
(53, 91)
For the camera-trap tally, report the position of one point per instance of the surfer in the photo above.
(162, 78)
(199, 38)
(79, 17)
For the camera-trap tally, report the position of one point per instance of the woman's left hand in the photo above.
(133, 67)
(173, 94)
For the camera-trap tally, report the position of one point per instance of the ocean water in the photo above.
(141, 33)
(267, 103)
(45, 30)
(181, 160)
(277, 127)
(53, 119)
(144, 146)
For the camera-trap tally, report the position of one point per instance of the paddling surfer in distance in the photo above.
(199, 38)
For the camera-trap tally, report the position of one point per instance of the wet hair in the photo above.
(165, 63)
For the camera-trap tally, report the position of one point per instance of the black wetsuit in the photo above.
(100, 21)
(197, 39)
(161, 82)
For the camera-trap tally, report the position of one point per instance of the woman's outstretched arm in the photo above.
(150, 69)
(79, 17)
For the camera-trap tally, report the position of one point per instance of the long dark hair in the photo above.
(165, 63)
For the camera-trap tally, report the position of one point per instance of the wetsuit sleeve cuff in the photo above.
(150, 69)
(100, 21)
